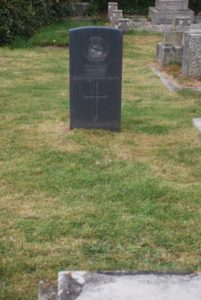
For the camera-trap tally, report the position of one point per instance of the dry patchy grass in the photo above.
(92, 199)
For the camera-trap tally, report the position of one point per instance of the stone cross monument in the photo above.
(165, 11)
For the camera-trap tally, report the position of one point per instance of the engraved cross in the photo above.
(96, 97)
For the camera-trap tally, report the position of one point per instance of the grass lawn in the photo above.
(94, 200)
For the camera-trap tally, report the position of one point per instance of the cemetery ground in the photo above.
(93, 199)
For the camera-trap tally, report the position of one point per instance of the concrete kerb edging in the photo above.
(170, 84)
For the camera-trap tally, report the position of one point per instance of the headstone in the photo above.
(168, 54)
(165, 11)
(171, 49)
(95, 77)
(111, 6)
(191, 64)
(116, 15)
(124, 24)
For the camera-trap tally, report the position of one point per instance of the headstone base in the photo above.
(166, 17)
(168, 54)
(111, 6)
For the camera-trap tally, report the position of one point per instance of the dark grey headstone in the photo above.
(95, 78)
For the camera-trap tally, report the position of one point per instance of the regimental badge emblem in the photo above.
(98, 49)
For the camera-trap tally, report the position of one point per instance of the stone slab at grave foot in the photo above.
(95, 78)
(165, 11)
(124, 286)
(197, 123)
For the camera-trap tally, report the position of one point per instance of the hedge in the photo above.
(21, 18)
(141, 5)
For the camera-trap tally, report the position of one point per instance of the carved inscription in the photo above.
(97, 70)
(98, 49)
(95, 97)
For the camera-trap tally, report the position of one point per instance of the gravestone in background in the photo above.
(95, 78)
(111, 6)
(124, 24)
(165, 11)
(116, 15)
(171, 49)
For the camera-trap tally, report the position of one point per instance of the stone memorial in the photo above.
(111, 6)
(171, 49)
(165, 11)
(191, 63)
(169, 54)
(124, 24)
(116, 15)
(95, 78)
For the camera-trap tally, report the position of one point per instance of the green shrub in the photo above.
(139, 6)
(20, 18)
(17, 19)
(195, 5)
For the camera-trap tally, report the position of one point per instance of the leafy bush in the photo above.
(195, 5)
(21, 18)
(139, 5)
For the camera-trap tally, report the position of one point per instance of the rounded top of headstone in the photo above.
(102, 28)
